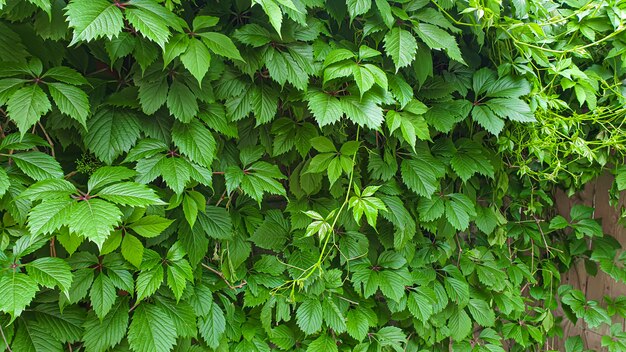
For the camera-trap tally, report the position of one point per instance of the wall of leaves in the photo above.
(305, 175)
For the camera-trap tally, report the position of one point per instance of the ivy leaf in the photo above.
(459, 209)
(437, 38)
(93, 19)
(470, 159)
(363, 112)
(38, 165)
(325, 108)
(264, 102)
(66, 75)
(27, 105)
(212, 326)
(132, 250)
(130, 193)
(5, 183)
(107, 175)
(93, 219)
(419, 177)
(401, 46)
(150, 19)
(111, 132)
(216, 222)
(101, 335)
(17, 291)
(176, 172)
(196, 59)
(148, 282)
(102, 295)
(195, 141)
(150, 226)
(221, 45)
(486, 118)
(48, 217)
(460, 325)
(182, 102)
(71, 101)
(323, 343)
(309, 316)
(151, 330)
(430, 209)
(357, 324)
(51, 272)
(481, 312)
(273, 11)
(420, 305)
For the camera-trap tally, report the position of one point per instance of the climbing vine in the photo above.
(306, 175)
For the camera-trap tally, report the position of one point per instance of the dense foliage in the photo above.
(305, 175)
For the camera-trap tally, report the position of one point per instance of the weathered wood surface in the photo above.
(596, 287)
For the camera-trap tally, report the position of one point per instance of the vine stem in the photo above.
(332, 227)
(221, 275)
(4, 338)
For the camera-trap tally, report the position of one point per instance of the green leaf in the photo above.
(66, 75)
(196, 59)
(151, 330)
(253, 35)
(325, 108)
(48, 217)
(481, 312)
(419, 177)
(460, 325)
(147, 22)
(101, 335)
(38, 165)
(111, 132)
(212, 326)
(71, 101)
(195, 141)
(357, 323)
(51, 272)
(274, 13)
(26, 106)
(486, 118)
(264, 102)
(130, 193)
(182, 102)
(470, 159)
(132, 250)
(401, 46)
(323, 343)
(430, 209)
(93, 219)
(358, 7)
(216, 222)
(5, 183)
(420, 305)
(52, 188)
(102, 295)
(363, 112)
(437, 38)
(221, 45)
(272, 233)
(459, 209)
(107, 175)
(65, 326)
(309, 316)
(283, 337)
(93, 19)
(17, 291)
(148, 282)
(150, 226)
(176, 172)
